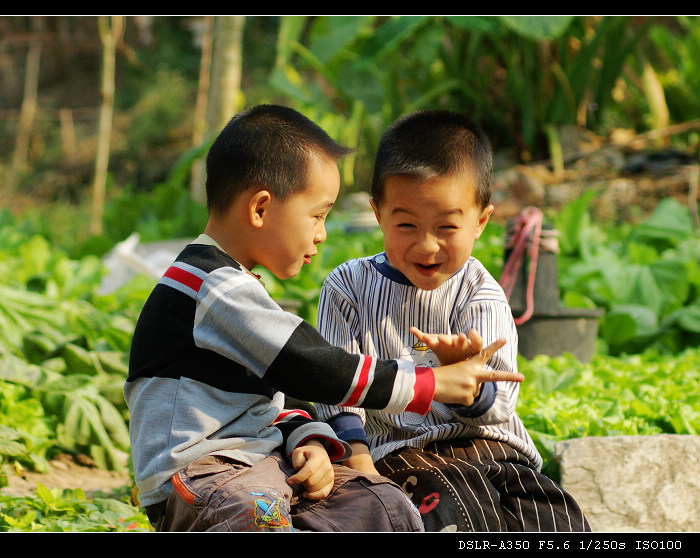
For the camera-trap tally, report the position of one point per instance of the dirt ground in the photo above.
(66, 472)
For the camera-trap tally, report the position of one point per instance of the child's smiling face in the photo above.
(430, 227)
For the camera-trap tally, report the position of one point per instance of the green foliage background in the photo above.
(64, 346)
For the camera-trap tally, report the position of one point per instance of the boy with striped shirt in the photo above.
(214, 361)
(468, 467)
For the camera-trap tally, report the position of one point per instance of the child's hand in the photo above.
(314, 470)
(451, 348)
(460, 383)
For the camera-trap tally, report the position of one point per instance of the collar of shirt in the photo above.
(209, 241)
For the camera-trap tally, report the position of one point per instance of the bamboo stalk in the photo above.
(200, 112)
(67, 133)
(108, 35)
(27, 110)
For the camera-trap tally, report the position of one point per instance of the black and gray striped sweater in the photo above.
(211, 359)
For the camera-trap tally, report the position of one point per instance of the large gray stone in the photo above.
(634, 483)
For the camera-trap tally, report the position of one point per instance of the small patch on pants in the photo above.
(270, 511)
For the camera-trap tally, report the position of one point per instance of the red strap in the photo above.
(530, 220)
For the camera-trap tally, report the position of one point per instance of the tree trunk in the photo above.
(225, 91)
(67, 134)
(110, 31)
(220, 87)
(200, 110)
(27, 111)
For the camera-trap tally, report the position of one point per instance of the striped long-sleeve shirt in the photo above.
(212, 356)
(367, 306)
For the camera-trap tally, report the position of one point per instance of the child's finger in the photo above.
(477, 342)
(302, 462)
(415, 331)
(418, 334)
(302, 475)
(463, 343)
(318, 493)
(498, 376)
(488, 352)
(429, 340)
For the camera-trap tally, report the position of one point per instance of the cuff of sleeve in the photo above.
(423, 391)
(337, 449)
(481, 404)
(348, 427)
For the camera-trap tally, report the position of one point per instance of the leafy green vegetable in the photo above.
(55, 510)
(647, 393)
(647, 278)
(63, 355)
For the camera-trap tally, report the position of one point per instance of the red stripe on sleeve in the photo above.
(293, 413)
(185, 277)
(361, 381)
(423, 390)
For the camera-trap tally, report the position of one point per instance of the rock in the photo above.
(634, 483)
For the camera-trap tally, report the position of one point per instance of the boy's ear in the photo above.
(258, 204)
(484, 219)
(376, 211)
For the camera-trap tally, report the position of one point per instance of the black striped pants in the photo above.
(480, 485)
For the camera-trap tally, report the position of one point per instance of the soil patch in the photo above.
(67, 472)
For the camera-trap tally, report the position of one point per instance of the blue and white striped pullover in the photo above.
(367, 306)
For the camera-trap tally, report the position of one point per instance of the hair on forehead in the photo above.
(426, 144)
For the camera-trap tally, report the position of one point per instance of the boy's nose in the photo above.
(427, 244)
(320, 235)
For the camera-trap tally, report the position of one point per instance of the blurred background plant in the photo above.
(153, 90)
(526, 79)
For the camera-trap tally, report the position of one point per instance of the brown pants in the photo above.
(480, 485)
(216, 494)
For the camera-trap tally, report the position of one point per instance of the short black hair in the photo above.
(430, 143)
(268, 146)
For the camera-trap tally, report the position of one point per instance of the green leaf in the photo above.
(45, 494)
(577, 300)
(571, 221)
(538, 27)
(483, 24)
(11, 448)
(35, 255)
(81, 360)
(687, 318)
(670, 221)
(333, 36)
(390, 35)
(629, 320)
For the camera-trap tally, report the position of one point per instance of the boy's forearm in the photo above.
(361, 458)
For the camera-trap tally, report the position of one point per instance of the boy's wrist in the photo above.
(361, 459)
